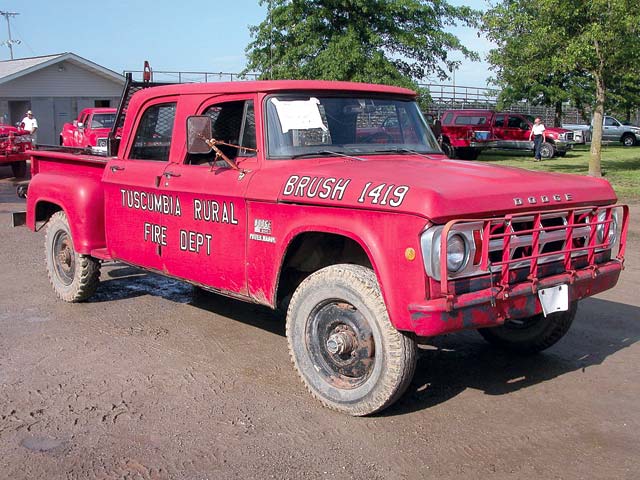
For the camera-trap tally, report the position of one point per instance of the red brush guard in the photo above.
(515, 256)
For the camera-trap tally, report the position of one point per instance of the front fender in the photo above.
(384, 238)
(82, 200)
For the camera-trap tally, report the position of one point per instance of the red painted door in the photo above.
(207, 242)
(134, 205)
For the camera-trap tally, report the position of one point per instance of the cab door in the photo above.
(134, 205)
(518, 129)
(207, 242)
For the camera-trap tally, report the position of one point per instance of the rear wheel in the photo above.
(74, 277)
(342, 343)
(533, 334)
(19, 169)
(628, 140)
(547, 150)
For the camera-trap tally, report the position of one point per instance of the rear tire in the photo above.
(533, 334)
(19, 169)
(547, 150)
(74, 277)
(342, 343)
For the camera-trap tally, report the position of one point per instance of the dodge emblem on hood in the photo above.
(532, 200)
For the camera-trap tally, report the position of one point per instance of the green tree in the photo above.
(393, 42)
(566, 44)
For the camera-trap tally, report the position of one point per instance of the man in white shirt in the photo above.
(30, 124)
(537, 132)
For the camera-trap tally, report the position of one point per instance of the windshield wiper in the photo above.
(326, 153)
(403, 150)
(322, 153)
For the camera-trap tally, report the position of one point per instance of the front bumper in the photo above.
(491, 307)
(563, 146)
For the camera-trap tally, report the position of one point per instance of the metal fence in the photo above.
(443, 97)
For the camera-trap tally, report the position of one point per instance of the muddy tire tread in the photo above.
(401, 360)
(87, 275)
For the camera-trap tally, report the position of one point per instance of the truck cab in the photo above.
(90, 130)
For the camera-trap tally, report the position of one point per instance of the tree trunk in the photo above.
(596, 138)
(557, 119)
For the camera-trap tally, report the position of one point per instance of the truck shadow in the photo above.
(453, 363)
(124, 282)
(449, 364)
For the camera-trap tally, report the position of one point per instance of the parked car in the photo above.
(615, 131)
(265, 192)
(581, 132)
(90, 130)
(465, 133)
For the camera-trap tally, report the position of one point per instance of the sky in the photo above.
(193, 35)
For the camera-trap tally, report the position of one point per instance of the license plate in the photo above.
(554, 299)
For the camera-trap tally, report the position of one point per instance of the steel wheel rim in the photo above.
(340, 344)
(64, 260)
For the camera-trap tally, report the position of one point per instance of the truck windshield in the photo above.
(300, 126)
(103, 120)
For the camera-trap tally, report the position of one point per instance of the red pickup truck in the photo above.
(90, 130)
(268, 192)
(14, 143)
(465, 133)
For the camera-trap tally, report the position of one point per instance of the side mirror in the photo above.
(80, 125)
(198, 130)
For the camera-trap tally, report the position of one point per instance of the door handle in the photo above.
(116, 168)
(170, 174)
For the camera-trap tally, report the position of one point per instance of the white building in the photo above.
(55, 88)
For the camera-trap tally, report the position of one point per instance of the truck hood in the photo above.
(436, 187)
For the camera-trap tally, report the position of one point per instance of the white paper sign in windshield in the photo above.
(299, 114)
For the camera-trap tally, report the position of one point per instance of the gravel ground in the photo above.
(149, 381)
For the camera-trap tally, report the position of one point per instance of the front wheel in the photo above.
(342, 343)
(533, 334)
(628, 140)
(547, 150)
(74, 277)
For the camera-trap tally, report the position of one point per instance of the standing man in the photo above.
(30, 124)
(537, 132)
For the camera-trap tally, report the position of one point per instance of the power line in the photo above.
(9, 43)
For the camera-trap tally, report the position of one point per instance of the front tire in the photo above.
(342, 343)
(74, 277)
(533, 334)
(547, 150)
(628, 140)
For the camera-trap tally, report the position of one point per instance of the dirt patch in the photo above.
(147, 381)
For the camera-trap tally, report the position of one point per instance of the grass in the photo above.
(620, 165)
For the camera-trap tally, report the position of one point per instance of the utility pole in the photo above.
(9, 43)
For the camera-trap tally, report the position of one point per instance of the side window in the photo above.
(516, 122)
(610, 122)
(231, 122)
(499, 121)
(153, 138)
(447, 118)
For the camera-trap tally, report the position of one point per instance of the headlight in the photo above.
(460, 249)
(613, 228)
(456, 253)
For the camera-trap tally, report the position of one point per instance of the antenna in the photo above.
(9, 43)
(270, 44)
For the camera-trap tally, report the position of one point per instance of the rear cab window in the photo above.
(153, 136)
